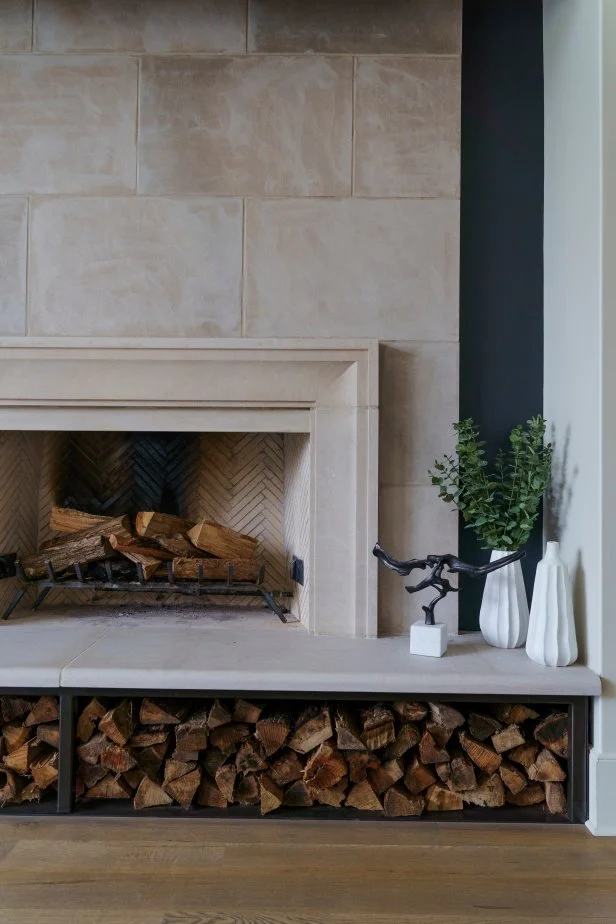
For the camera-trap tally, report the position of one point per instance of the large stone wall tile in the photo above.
(251, 126)
(413, 523)
(419, 404)
(407, 127)
(13, 246)
(127, 267)
(68, 124)
(15, 25)
(356, 26)
(352, 268)
(206, 26)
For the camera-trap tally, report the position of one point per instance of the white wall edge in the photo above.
(601, 786)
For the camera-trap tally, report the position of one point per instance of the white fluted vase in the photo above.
(551, 631)
(503, 617)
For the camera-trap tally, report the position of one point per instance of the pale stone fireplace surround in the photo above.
(323, 396)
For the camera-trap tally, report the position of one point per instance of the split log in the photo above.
(184, 788)
(94, 548)
(15, 736)
(553, 733)
(226, 777)
(90, 752)
(482, 726)
(162, 712)
(217, 569)
(482, 755)
(347, 731)
(21, 759)
(209, 795)
(313, 727)
(90, 775)
(514, 779)
(271, 795)
(533, 794)
(30, 793)
(153, 734)
(221, 541)
(134, 777)
(247, 791)
(227, 737)
(211, 760)
(117, 759)
(362, 796)
(546, 769)
(219, 714)
(243, 711)
(151, 525)
(138, 549)
(175, 769)
(513, 713)
(46, 709)
(525, 754)
(114, 526)
(408, 736)
(150, 795)
(399, 803)
(272, 732)
(429, 752)
(334, 796)
(150, 759)
(490, 793)
(192, 734)
(13, 707)
(49, 734)
(149, 563)
(10, 787)
(297, 796)
(179, 546)
(418, 776)
(378, 727)
(555, 798)
(325, 768)
(507, 739)
(87, 723)
(117, 723)
(248, 758)
(441, 799)
(386, 775)
(68, 520)
(459, 774)
(287, 768)
(359, 763)
(440, 733)
(45, 770)
(445, 715)
(110, 787)
(410, 712)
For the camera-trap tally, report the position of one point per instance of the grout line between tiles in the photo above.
(243, 271)
(353, 103)
(137, 126)
(27, 266)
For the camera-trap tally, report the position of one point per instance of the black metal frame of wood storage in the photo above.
(578, 708)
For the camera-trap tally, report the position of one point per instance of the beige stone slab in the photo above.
(206, 26)
(13, 246)
(68, 125)
(419, 404)
(133, 266)
(362, 26)
(407, 127)
(413, 522)
(253, 126)
(15, 25)
(378, 268)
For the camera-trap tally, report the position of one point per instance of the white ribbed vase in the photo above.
(551, 631)
(503, 617)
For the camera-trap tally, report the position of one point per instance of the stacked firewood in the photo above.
(29, 743)
(400, 758)
(203, 550)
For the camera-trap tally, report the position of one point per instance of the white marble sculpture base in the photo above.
(428, 641)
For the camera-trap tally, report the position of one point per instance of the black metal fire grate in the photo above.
(134, 581)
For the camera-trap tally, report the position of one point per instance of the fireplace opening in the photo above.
(155, 519)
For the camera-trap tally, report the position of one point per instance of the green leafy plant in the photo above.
(500, 502)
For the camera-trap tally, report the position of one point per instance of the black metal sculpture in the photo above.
(435, 579)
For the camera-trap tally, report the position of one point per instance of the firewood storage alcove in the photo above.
(255, 755)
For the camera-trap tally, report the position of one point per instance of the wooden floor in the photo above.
(137, 871)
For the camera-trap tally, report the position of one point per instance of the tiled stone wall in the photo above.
(277, 168)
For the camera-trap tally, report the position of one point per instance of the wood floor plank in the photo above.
(138, 871)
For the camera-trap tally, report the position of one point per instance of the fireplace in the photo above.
(276, 442)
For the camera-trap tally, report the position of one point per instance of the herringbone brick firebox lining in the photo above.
(258, 483)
